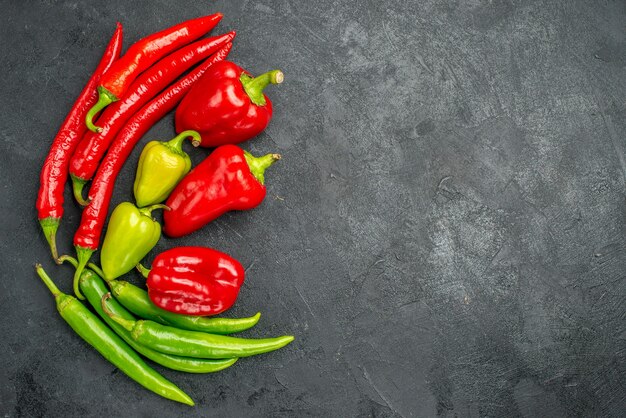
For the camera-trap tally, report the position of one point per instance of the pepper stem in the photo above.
(47, 281)
(74, 262)
(258, 165)
(147, 211)
(83, 255)
(254, 86)
(78, 185)
(143, 270)
(69, 259)
(96, 270)
(176, 143)
(105, 98)
(50, 226)
(127, 324)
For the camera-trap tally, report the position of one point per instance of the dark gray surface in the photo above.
(444, 236)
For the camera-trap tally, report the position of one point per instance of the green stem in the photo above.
(69, 259)
(96, 270)
(47, 281)
(50, 226)
(254, 86)
(78, 185)
(176, 143)
(147, 211)
(127, 324)
(258, 165)
(74, 262)
(144, 271)
(105, 98)
(83, 255)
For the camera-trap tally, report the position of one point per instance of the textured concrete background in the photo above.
(445, 235)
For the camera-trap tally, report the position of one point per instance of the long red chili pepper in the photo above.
(54, 171)
(93, 146)
(141, 55)
(87, 237)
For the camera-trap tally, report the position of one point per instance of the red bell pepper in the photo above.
(227, 106)
(228, 179)
(194, 280)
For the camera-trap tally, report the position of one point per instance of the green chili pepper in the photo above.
(138, 302)
(192, 343)
(162, 165)
(94, 289)
(99, 336)
(131, 234)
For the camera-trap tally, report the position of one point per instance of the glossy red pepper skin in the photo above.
(224, 181)
(87, 237)
(194, 281)
(227, 105)
(141, 55)
(54, 171)
(93, 146)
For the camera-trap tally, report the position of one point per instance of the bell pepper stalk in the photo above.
(227, 105)
(228, 179)
(162, 165)
(193, 280)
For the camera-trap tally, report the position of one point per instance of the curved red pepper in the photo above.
(141, 55)
(227, 106)
(54, 171)
(93, 146)
(228, 179)
(194, 281)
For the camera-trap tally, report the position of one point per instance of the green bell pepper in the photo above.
(162, 165)
(131, 234)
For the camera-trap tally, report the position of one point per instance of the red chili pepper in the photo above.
(54, 171)
(228, 179)
(91, 149)
(227, 105)
(141, 55)
(87, 237)
(194, 280)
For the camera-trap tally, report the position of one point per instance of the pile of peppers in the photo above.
(217, 105)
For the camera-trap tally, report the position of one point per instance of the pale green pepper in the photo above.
(131, 234)
(162, 165)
